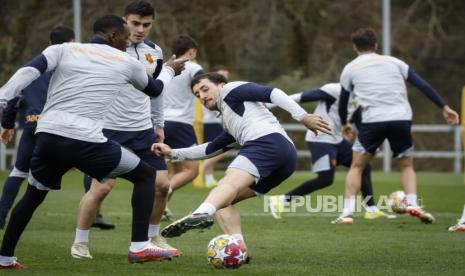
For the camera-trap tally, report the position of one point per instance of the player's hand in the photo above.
(347, 132)
(451, 117)
(176, 64)
(316, 123)
(161, 149)
(7, 135)
(160, 133)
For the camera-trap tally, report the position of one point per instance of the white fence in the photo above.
(455, 154)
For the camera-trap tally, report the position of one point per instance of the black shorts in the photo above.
(139, 142)
(398, 133)
(54, 155)
(179, 135)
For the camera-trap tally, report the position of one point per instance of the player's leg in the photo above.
(400, 140)
(47, 166)
(370, 137)
(209, 169)
(184, 173)
(210, 132)
(261, 165)
(18, 174)
(87, 212)
(109, 160)
(181, 135)
(323, 164)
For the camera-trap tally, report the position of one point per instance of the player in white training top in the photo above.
(179, 112)
(130, 124)
(327, 152)
(86, 80)
(378, 85)
(267, 155)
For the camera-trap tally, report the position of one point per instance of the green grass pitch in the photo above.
(298, 244)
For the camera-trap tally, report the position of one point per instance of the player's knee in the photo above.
(192, 171)
(162, 187)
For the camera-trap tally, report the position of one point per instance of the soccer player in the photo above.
(211, 129)
(460, 226)
(87, 78)
(266, 158)
(129, 122)
(179, 112)
(327, 151)
(30, 103)
(378, 85)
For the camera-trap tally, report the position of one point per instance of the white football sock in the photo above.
(349, 206)
(412, 199)
(462, 220)
(209, 178)
(139, 246)
(7, 260)
(372, 209)
(238, 236)
(205, 208)
(154, 230)
(283, 199)
(81, 236)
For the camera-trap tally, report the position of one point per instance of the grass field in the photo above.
(299, 244)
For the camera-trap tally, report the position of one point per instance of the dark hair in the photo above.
(61, 34)
(213, 77)
(364, 39)
(109, 23)
(139, 7)
(182, 44)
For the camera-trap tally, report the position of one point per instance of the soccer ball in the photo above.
(398, 202)
(226, 251)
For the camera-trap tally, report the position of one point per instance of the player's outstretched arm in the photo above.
(220, 144)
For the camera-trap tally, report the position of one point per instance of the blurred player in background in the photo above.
(267, 156)
(211, 129)
(179, 112)
(327, 151)
(69, 131)
(378, 85)
(30, 103)
(133, 121)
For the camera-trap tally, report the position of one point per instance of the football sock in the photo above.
(238, 236)
(349, 206)
(372, 209)
(87, 183)
(412, 199)
(6, 260)
(20, 217)
(205, 208)
(462, 219)
(81, 236)
(284, 199)
(143, 177)
(154, 230)
(367, 187)
(139, 246)
(10, 191)
(324, 179)
(209, 178)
